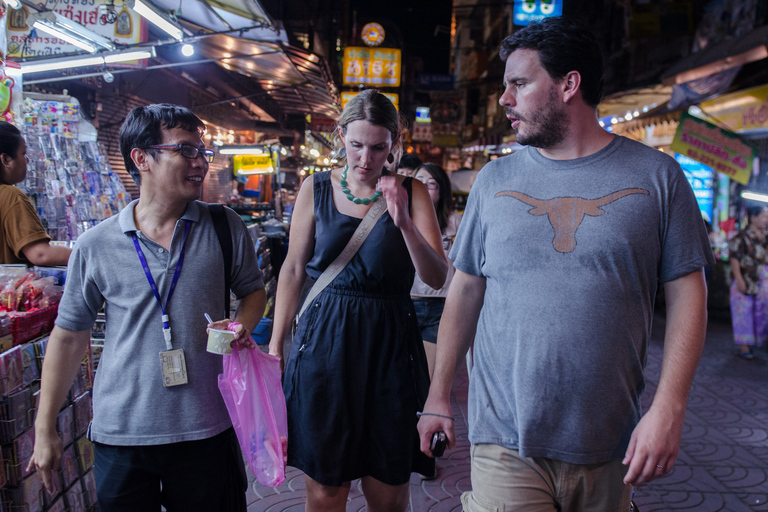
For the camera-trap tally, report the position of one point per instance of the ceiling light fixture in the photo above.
(86, 60)
(755, 196)
(187, 50)
(158, 19)
(59, 26)
(13, 4)
(242, 150)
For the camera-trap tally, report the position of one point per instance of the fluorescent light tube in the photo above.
(50, 20)
(39, 25)
(132, 55)
(53, 65)
(158, 19)
(234, 150)
(755, 197)
(86, 60)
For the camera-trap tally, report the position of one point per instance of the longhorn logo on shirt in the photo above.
(566, 213)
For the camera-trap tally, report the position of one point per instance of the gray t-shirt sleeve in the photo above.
(685, 245)
(82, 298)
(468, 251)
(246, 276)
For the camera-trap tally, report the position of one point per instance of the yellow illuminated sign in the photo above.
(719, 149)
(373, 34)
(743, 110)
(371, 66)
(347, 95)
(244, 165)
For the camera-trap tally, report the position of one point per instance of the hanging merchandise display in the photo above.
(69, 180)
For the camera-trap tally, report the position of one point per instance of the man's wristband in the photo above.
(420, 414)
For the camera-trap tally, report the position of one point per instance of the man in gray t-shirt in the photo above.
(161, 432)
(558, 260)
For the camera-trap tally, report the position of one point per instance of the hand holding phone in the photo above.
(438, 444)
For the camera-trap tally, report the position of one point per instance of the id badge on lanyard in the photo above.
(172, 362)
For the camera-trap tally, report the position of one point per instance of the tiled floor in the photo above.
(723, 461)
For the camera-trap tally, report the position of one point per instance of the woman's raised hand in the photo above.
(397, 200)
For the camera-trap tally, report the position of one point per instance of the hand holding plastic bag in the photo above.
(250, 386)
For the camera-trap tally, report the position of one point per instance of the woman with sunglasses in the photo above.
(23, 238)
(429, 302)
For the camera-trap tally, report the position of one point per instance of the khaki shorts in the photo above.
(503, 481)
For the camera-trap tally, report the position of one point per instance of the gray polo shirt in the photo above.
(130, 404)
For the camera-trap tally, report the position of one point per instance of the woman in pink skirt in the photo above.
(748, 251)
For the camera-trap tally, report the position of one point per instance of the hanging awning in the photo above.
(719, 57)
(246, 16)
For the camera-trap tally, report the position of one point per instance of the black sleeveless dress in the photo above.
(357, 373)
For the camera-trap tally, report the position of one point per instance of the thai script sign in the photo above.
(743, 110)
(719, 149)
(244, 165)
(127, 28)
(371, 66)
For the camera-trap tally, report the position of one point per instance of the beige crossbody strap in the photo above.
(358, 237)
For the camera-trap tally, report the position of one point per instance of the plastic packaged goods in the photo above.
(51, 295)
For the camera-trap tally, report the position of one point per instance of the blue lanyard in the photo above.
(166, 326)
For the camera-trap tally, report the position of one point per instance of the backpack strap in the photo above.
(221, 224)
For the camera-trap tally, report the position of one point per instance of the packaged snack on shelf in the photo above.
(83, 416)
(28, 496)
(11, 367)
(74, 496)
(85, 454)
(19, 406)
(32, 292)
(89, 488)
(28, 325)
(9, 298)
(17, 455)
(65, 425)
(40, 346)
(69, 466)
(5, 324)
(57, 505)
(51, 295)
(30, 370)
(58, 273)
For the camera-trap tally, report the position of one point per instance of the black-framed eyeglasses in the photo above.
(187, 151)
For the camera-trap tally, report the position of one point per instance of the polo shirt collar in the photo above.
(128, 224)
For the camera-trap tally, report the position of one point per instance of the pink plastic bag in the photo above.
(250, 386)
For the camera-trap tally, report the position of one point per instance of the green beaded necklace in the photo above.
(356, 200)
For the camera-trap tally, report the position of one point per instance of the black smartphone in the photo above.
(438, 444)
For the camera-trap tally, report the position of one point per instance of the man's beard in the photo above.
(546, 127)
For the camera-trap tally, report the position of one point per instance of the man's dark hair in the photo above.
(144, 127)
(409, 162)
(754, 211)
(564, 45)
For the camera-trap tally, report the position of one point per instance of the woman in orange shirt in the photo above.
(22, 236)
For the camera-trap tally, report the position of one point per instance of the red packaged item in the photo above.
(51, 295)
(9, 296)
(31, 292)
(28, 325)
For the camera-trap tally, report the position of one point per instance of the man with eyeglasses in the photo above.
(160, 428)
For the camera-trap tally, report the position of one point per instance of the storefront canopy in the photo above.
(222, 15)
(259, 74)
(719, 57)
